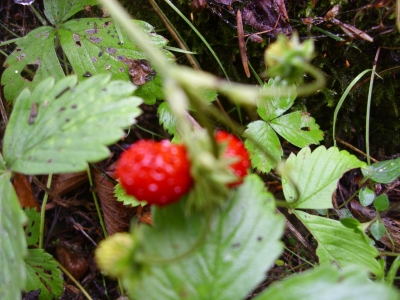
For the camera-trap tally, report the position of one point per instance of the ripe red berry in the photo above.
(235, 148)
(157, 172)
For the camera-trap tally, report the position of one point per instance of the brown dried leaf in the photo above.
(74, 262)
(24, 191)
(116, 216)
(64, 183)
(268, 16)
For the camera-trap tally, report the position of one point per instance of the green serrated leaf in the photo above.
(377, 230)
(230, 257)
(263, 145)
(298, 128)
(92, 46)
(12, 239)
(383, 171)
(309, 179)
(270, 108)
(121, 196)
(329, 283)
(43, 272)
(33, 59)
(366, 196)
(166, 118)
(32, 229)
(381, 203)
(339, 244)
(61, 10)
(60, 127)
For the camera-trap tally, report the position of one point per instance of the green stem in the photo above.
(11, 32)
(99, 214)
(96, 202)
(73, 279)
(175, 34)
(339, 105)
(368, 113)
(298, 256)
(43, 212)
(9, 42)
(43, 21)
(199, 35)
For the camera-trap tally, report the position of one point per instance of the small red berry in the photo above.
(157, 172)
(235, 148)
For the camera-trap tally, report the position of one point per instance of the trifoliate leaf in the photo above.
(270, 108)
(383, 171)
(92, 46)
(298, 128)
(366, 196)
(43, 272)
(12, 239)
(61, 10)
(60, 127)
(329, 283)
(309, 179)
(121, 196)
(33, 60)
(32, 229)
(339, 244)
(263, 145)
(222, 256)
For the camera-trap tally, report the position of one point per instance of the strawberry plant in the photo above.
(216, 231)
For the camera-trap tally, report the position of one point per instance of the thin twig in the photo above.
(175, 35)
(354, 149)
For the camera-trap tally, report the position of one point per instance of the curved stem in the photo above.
(66, 272)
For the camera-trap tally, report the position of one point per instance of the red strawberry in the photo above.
(235, 148)
(157, 172)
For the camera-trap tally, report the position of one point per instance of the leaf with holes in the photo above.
(92, 46)
(309, 179)
(33, 60)
(42, 272)
(12, 239)
(228, 254)
(329, 283)
(61, 10)
(298, 128)
(59, 127)
(32, 229)
(263, 145)
(340, 244)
